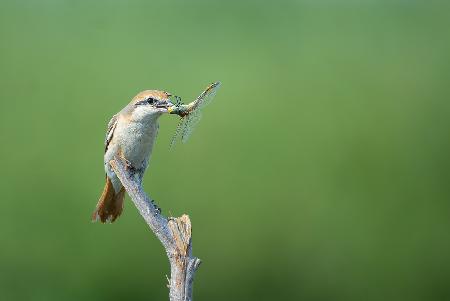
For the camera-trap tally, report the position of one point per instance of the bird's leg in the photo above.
(128, 164)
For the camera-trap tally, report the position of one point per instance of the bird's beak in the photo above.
(165, 104)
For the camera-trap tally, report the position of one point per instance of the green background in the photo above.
(320, 172)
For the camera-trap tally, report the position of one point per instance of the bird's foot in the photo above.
(129, 166)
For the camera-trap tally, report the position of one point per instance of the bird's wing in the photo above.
(109, 133)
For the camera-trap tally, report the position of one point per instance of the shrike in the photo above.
(131, 135)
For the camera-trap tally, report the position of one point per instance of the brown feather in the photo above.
(161, 95)
(110, 204)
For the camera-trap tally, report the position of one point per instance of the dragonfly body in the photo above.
(182, 110)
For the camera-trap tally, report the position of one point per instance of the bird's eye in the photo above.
(151, 100)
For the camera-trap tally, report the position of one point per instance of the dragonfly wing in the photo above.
(187, 123)
(185, 128)
(178, 131)
(191, 121)
(207, 96)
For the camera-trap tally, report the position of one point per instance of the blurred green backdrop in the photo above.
(320, 172)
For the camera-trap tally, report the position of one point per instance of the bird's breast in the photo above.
(136, 142)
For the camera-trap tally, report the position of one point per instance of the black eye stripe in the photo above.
(147, 101)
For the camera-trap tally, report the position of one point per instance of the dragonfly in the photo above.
(191, 113)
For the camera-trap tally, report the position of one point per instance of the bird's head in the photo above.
(150, 103)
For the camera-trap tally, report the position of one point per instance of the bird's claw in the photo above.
(128, 165)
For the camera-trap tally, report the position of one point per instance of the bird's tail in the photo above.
(110, 204)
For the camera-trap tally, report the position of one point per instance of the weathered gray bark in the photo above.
(174, 234)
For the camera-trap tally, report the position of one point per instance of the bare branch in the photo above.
(174, 234)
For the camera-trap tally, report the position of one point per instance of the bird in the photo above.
(131, 135)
